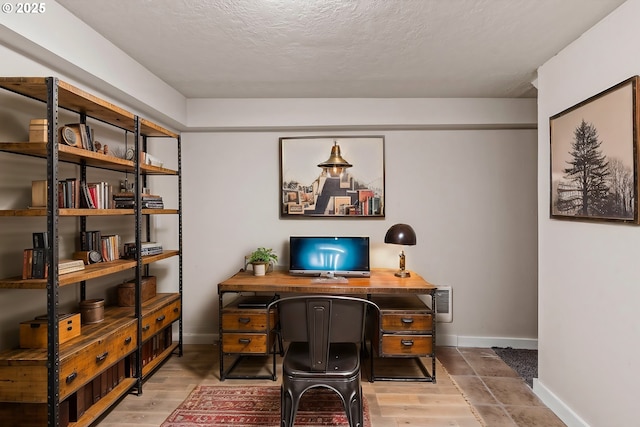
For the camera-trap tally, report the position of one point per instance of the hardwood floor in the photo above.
(499, 397)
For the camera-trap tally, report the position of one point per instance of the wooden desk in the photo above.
(381, 286)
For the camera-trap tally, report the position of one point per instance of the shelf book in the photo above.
(34, 264)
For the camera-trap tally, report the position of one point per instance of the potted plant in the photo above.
(260, 259)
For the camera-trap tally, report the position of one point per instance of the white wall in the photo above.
(589, 329)
(469, 194)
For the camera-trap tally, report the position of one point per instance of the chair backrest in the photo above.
(322, 320)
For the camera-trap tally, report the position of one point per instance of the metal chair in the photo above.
(325, 335)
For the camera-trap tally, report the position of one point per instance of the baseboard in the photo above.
(486, 342)
(558, 407)
(446, 340)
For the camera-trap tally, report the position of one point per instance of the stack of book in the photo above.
(128, 201)
(109, 248)
(35, 264)
(96, 195)
(70, 265)
(108, 245)
(68, 194)
(90, 241)
(147, 248)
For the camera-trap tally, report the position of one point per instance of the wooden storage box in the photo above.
(38, 130)
(33, 333)
(127, 291)
(92, 310)
(39, 194)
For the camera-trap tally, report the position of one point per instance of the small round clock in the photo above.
(68, 136)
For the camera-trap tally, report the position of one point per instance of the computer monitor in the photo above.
(346, 256)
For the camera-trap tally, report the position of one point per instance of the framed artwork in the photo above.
(332, 177)
(594, 157)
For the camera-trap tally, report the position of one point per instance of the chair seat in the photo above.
(343, 361)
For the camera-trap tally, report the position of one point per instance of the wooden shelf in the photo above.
(75, 99)
(85, 212)
(75, 155)
(91, 271)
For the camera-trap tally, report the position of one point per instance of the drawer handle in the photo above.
(176, 309)
(407, 343)
(407, 320)
(160, 318)
(128, 340)
(69, 328)
(72, 376)
(244, 320)
(244, 340)
(101, 357)
(145, 328)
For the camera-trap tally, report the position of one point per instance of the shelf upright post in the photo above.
(180, 241)
(83, 218)
(53, 348)
(138, 225)
(147, 230)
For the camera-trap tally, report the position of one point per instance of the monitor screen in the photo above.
(326, 256)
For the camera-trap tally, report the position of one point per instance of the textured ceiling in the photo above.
(343, 48)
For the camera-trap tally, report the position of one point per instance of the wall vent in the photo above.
(444, 306)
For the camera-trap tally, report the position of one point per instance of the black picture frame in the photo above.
(310, 190)
(594, 157)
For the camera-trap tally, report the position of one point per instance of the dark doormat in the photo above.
(524, 362)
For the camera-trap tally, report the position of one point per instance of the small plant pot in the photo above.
(259, 269)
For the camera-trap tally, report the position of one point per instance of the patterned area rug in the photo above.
(248, 406)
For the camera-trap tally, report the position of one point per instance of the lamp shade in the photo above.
(401, 234)
(335, 164)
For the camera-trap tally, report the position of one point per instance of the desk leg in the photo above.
(220, 354)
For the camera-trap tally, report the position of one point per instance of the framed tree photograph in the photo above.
(332, 177)
(594, 157)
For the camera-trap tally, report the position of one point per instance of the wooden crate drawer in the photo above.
(247, 320)
(408, 322)
(33, 333)
(159, 319)
(23, 383)
(83, 365)
(30, 414)
(245, 343)
(406, 345)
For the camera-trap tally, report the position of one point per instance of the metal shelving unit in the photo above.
(59, 94)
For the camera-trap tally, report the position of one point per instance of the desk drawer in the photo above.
(406, 345)
(95, 358)
(246, 320)
(157, 320)
(245, 343)
(406, 322)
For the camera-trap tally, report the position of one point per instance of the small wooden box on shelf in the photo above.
(33, 333)
(38, 130)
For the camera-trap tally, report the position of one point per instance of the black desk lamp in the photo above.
(401, 234)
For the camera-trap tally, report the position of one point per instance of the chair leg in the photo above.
(285, 408)
(355, 410)
(288, 408)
